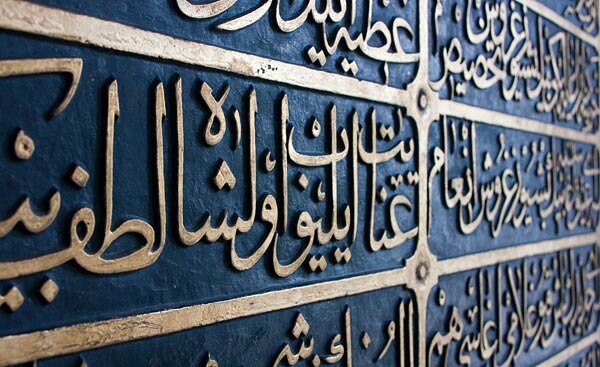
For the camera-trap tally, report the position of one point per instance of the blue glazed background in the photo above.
(184, 276)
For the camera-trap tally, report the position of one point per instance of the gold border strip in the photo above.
(504, 120)
(59, 24)
(560, 21)
(79, 337)
(564, 355)
(46, 21)
(493, 257)
(85, 336)
(50, 22)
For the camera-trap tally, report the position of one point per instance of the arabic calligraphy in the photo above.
(506, 46)
(516, 309)
(168, 181)
(337, 21)
(347, 149)
(586, 13)
(397, 343)
(519, 184)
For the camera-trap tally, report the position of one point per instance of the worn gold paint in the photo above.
(421, 103)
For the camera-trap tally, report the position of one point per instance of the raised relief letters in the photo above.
(300, 183)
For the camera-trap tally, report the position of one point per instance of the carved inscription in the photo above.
(300, 183)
